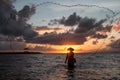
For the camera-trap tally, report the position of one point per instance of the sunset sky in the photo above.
(55, 25)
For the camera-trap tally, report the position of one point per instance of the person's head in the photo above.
(70, 49)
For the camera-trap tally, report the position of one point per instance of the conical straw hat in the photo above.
(70, 49)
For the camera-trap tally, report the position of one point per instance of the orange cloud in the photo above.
(116, 26)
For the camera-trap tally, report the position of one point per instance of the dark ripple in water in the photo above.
(52, 67)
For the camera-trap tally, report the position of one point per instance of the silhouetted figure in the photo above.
(70, 58)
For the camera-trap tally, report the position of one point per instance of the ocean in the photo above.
(99, 66)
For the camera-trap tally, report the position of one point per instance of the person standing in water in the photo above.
(70, 57)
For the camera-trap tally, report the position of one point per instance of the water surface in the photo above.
(52, 67)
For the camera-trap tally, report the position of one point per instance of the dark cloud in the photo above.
(84, 24)
(85, 27)
(59, 39)
(47, 28)
(42, 28)
(27, 12)
(95, 42)
(71, 20)
(99, 36)
(13, 23)
(54, 22)
(112, 37)
(104, 30)
(115, 44)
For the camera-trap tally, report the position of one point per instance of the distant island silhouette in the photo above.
(20, 53)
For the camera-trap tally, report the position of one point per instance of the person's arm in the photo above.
(66, 58)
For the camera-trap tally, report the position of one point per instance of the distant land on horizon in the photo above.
(21, 53)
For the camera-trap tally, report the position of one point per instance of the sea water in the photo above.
(100, 66)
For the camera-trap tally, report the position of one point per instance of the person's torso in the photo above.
(70, 55)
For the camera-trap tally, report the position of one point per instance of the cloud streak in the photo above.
(47, 28)
(60, 39)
